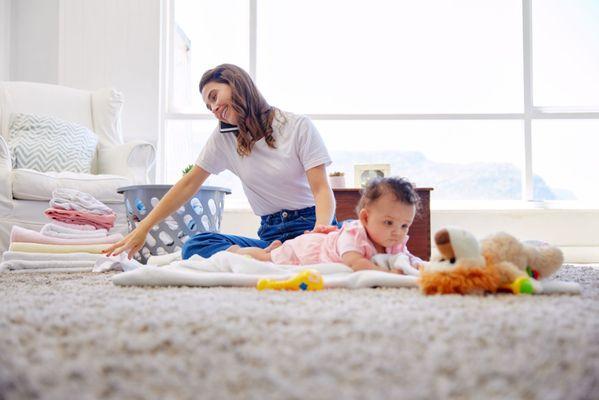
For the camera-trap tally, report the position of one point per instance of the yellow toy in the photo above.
(309, 279)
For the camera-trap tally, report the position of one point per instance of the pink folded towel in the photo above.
(81, 218)
(19, 234)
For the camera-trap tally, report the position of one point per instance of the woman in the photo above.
(279, 157)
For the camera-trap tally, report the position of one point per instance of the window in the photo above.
(565, 153)
(566, 53)
(450, 156)
(484, 100)
(380, 56)
(205, 34)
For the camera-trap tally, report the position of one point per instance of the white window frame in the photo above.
(530, 113)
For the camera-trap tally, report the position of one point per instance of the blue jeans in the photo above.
(282, 225)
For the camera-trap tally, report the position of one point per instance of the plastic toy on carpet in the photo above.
(306, 280)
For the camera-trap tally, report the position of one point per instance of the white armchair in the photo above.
(24, 193)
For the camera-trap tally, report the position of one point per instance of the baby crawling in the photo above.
(386, 211)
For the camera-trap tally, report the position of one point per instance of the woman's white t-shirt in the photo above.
(272, 179)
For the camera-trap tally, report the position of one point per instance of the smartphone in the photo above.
(224, 127)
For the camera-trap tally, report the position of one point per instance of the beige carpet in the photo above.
(77, 336)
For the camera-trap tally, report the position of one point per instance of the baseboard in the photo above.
(580, 254)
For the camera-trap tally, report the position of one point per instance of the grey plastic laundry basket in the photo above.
(202, 213)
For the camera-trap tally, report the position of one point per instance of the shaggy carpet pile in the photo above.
(77, 336)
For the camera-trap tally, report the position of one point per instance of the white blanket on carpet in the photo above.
(229, 269)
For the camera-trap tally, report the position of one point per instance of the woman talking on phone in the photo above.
(279, 157)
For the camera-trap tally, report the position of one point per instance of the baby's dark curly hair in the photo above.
(402, 189)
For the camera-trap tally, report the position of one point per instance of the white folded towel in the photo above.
(45, 265)
(63, 232)
(58, 248)
(71, 199)
(76, 227)
(54, 270)
(48, 262)
(27, 256)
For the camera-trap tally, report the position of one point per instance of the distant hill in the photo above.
(451, 181)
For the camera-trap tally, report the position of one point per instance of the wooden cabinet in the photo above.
(420, 231)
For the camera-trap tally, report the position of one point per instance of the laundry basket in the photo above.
(202, 213)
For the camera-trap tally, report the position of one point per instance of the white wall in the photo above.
(115, 43)
(34, 41)
(89, 45)
(574, 231)
(5, 13)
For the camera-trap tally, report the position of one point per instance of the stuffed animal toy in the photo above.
(499, 262)
(538, 259)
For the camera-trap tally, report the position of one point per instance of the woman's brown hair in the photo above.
(255, 114)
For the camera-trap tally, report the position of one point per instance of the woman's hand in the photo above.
(131, 243)
(318, 228)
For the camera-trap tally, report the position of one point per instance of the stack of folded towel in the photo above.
(78, 208)
(73, 241)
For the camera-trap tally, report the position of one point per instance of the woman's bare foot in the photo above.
(273, 245)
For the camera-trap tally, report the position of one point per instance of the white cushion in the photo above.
(69, 104)
(28, 184)
(99, 111)
(47, 143)
(106, 112)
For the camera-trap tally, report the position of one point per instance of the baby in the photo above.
(386, 211)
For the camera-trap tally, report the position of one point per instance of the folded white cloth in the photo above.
(23, 235)
(230, 269)
(165, 259)
(27, 256)
(45, 265)
(54, 270)
(48, 262)
(75, 227)
(71, 199)
(58, 248)
(60, 231)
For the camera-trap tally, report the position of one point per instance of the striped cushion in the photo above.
(44, 143)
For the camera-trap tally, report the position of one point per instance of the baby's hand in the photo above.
(396, 271)
(383, 261)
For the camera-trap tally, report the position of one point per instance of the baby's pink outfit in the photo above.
(314, 248)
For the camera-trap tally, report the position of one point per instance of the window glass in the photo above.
(461, 160)
(566, 53)
(565, 155)
(351, 56)
(206, 34)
